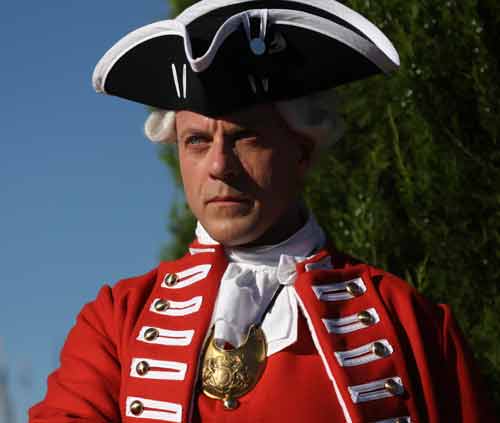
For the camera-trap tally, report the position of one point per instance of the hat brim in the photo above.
(203, 61)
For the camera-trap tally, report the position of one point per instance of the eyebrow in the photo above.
(192, 130)
(240, 133)
(232, 133)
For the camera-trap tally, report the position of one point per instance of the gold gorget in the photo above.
(227, 374)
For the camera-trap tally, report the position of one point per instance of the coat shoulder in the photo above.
(145, 283)
(135, 284)
(410, 311)
(398, 294)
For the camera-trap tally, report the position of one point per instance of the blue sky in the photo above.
(84, 198)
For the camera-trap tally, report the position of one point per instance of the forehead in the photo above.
(258, 116)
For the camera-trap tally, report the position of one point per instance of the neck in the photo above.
(307, 237)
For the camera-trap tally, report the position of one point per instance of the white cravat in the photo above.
(252, 277)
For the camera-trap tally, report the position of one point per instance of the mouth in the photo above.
(228, 200)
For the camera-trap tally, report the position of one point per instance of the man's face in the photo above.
(242, 173)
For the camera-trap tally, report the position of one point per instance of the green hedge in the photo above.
(413, 186)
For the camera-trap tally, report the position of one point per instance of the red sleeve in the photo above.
(86, 386)
(468, 400)
(437, 356)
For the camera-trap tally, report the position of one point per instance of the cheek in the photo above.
(276, 174)
(191, 180)
(259, 167)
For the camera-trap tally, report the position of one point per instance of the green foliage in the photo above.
(181, 222)
(413, 187)
(177, 6)
(181, 226)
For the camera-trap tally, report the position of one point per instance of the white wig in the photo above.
(314, 116)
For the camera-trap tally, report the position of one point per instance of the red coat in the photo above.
(331, 374)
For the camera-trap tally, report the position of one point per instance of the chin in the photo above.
(233, 232)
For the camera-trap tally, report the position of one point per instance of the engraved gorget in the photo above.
(227, 374)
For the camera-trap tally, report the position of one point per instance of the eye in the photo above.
(243, 136)
(195, 140)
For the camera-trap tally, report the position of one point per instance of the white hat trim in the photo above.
(349, 38)
(334, 7)
(277, 16)
(127, 43)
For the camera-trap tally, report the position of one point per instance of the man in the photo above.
(262, 319)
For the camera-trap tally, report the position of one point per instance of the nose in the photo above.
(225, 162)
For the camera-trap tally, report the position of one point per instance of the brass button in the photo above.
(142, 368)
(354, 289)
(161, 305)
(171, 279)
(365, 317)
(379, 349)
(230, 403)
(393, 387)
(136, 408)
(151, 334)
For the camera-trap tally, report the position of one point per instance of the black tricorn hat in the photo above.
(222, 55)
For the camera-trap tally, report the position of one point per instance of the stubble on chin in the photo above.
(233, 231)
